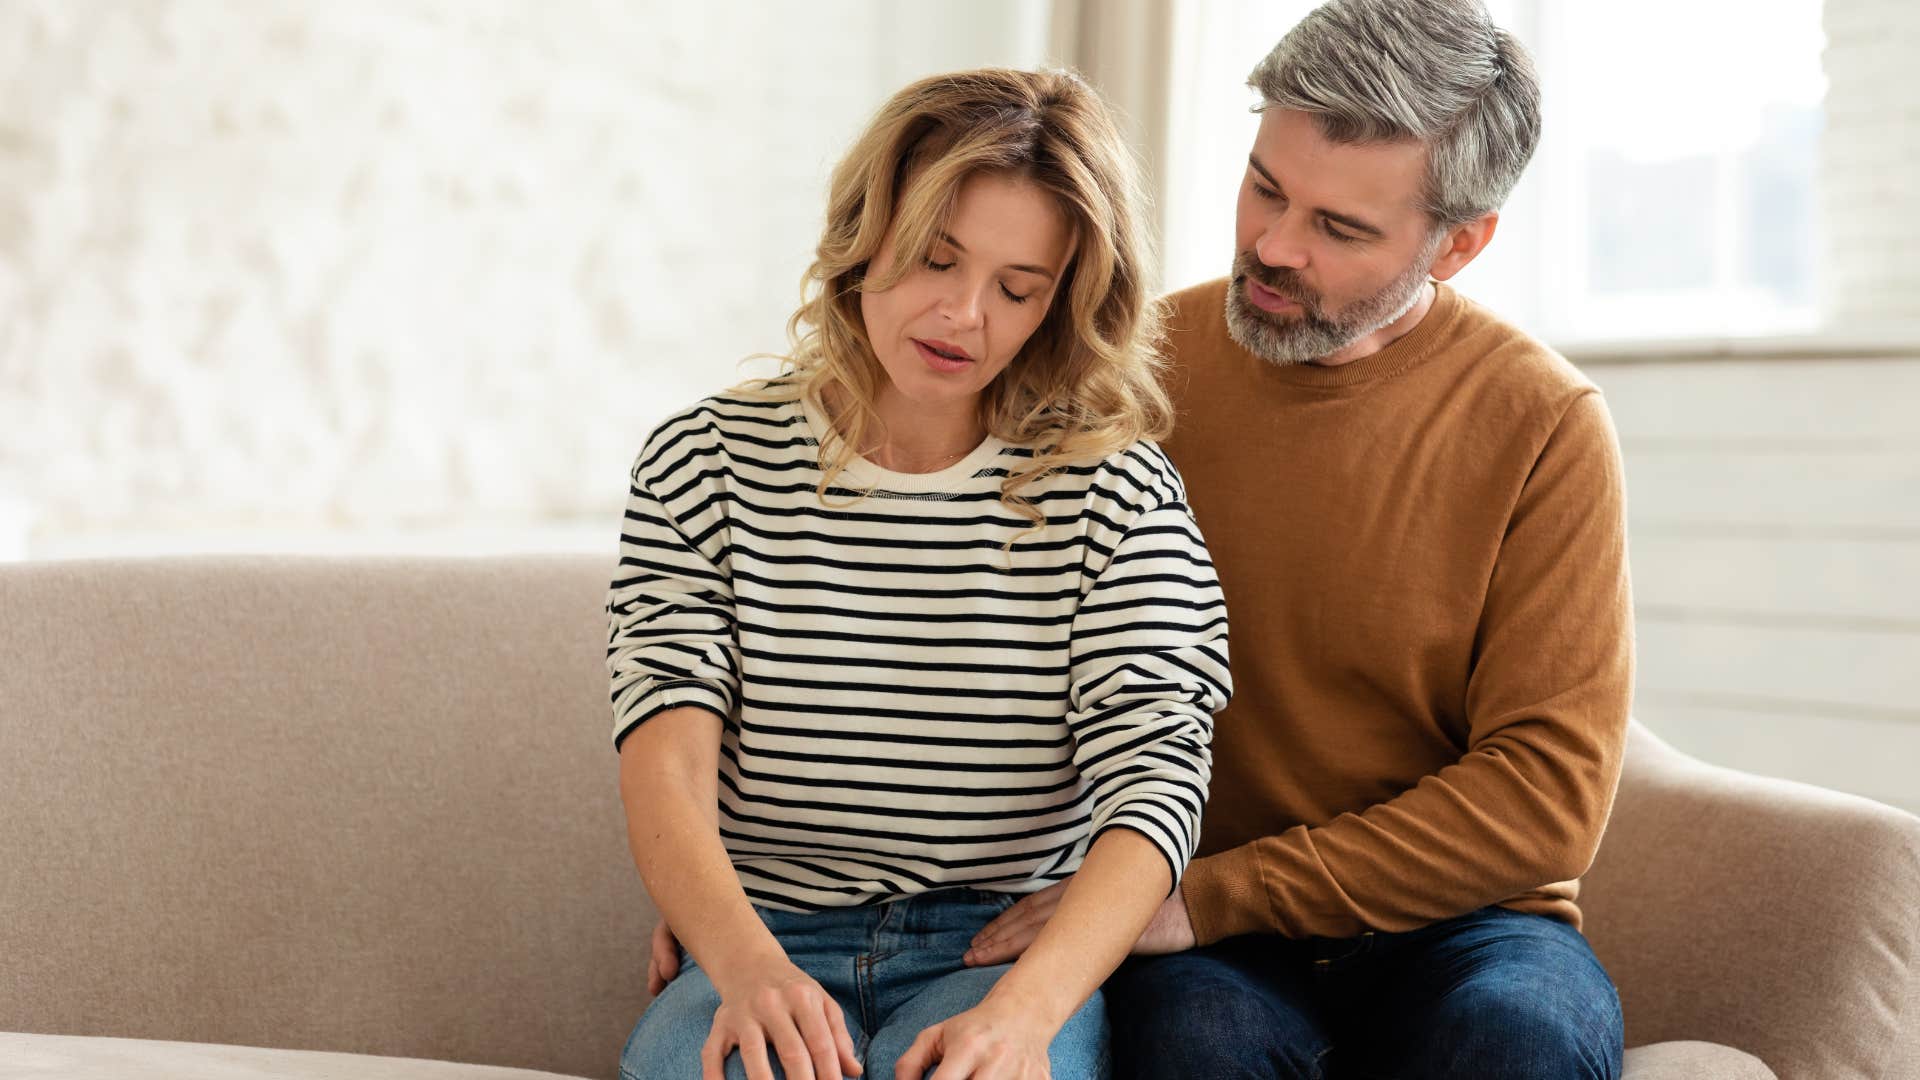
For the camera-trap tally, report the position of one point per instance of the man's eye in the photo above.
(1345, 238)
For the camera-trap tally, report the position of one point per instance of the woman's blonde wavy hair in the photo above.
(1087, 382)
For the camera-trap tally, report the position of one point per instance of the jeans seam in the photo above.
(863, 991)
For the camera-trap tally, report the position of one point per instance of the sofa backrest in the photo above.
(345, 804)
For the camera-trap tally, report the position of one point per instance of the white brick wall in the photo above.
(1870, 162)
(1774, 534)
(371, 264)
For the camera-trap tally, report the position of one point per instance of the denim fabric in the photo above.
(895, 970)
(1491, 995)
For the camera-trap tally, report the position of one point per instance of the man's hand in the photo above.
(1009, 934)
(663, 961)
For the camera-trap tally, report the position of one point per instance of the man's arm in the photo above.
(1547, 707)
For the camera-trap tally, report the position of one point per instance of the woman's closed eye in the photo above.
(941, 267)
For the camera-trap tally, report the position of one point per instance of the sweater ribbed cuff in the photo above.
(1227, 895)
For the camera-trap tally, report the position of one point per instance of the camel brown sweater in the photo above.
(1424, 560)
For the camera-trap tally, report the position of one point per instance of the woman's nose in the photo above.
(961, 306)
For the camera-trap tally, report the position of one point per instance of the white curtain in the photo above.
(1176, 70)
(1124, 47)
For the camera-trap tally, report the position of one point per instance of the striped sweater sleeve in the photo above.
(1149, 670)
(671, 637)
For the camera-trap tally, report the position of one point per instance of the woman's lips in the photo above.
(935, 355)
(1267, 300)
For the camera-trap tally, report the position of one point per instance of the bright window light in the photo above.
(1672, 194)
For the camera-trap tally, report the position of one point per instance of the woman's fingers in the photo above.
(842, 1039)
(789, 1018)
(753, 1058)
(960, 1064)
(792, 1048)
(822, 1049)
(919, 1057)
(713, 1054)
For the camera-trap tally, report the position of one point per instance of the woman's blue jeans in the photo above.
(1491, 995)
(895, 970)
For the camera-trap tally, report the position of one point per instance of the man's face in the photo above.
(1330, 241)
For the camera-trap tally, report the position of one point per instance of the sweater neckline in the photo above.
(863, 473)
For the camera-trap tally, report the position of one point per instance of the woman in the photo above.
(922, 625)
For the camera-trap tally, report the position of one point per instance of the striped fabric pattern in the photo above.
(908, 705)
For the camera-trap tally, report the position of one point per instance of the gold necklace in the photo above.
(940, 463)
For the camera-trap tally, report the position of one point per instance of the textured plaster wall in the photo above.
(284, 266)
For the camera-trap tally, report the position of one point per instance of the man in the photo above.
(1417, 516)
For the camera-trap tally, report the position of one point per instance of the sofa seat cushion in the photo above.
(75, 1057)
(1693, 1061)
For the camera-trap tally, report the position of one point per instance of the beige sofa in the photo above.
(367, 807)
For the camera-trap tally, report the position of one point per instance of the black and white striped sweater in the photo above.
(908, 704)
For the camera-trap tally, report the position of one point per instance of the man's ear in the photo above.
(1462, 244)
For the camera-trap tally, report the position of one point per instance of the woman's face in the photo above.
(952, 324)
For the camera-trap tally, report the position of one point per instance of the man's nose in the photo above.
(1283, 242)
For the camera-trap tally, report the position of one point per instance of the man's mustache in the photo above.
(1283, 280)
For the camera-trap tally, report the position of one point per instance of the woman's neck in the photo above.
(915, 438)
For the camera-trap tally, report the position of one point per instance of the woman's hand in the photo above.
(991, 1041)
(663, 958)
(775, 1002)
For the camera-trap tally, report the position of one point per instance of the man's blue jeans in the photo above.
(895, 970)
(1491, 995)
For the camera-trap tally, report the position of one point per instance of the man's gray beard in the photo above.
(1311, 334)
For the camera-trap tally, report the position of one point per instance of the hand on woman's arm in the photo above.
(1103, 909)
(668, 767)
(1006, 937)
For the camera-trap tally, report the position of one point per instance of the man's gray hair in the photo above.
(1437, 71)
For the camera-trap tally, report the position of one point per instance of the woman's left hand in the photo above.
(990, 1041)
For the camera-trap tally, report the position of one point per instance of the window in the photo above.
(1672, 194)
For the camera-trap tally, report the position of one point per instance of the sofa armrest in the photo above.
(1772, 916)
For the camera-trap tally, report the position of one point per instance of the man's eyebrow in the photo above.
(1022, 267)
(1348, 220)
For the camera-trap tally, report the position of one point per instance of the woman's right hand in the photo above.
(776, 1003)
